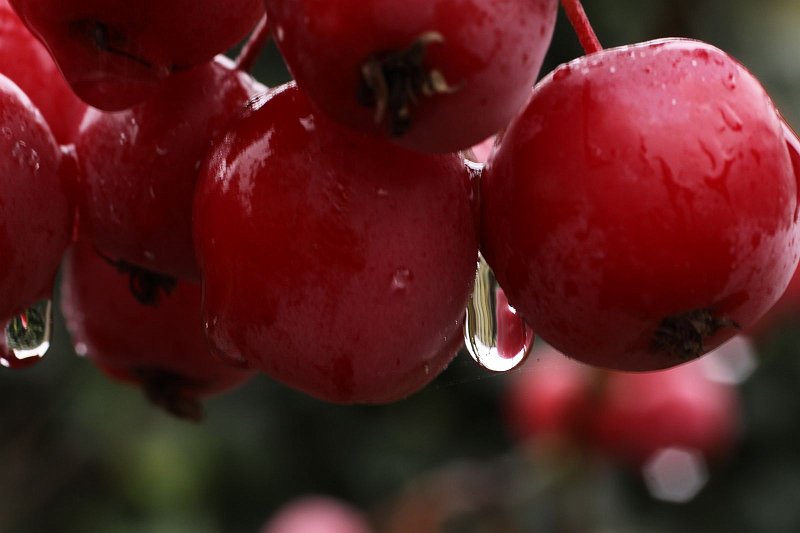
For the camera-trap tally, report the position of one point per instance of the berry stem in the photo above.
(252, 47)
(583, 28)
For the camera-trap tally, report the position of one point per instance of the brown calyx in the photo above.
(172, 392)
(392, 82)
(684, 334)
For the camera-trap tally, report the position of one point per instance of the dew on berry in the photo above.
(25, 155)
(730, 117)
(28, 335)
(402, 279)
(495, 336)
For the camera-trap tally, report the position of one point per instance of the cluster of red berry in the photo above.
(631, 417)
(638, 210)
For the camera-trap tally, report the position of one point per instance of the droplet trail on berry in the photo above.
(496, 337)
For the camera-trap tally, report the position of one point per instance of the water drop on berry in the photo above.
(730, 81)
(402, 279)
(25, 155)
(562, 72)
(496, 337)
(730, 117)
(28, 335)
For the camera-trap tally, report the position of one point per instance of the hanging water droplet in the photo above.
(495, 336)
(27, 335)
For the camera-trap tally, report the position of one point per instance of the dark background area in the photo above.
(79, 453)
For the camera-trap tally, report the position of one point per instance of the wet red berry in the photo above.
(35, 210)
(438, 75)
(27, 63)
(139, 166)
(337, 263)
(160, 347)
(114, 52)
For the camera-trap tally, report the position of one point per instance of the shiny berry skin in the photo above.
(337, 263)
(27, 63)
(114, 52)
(639, 414)
(478, 63)
(35, 209)
(317, 514)
(787, 308)
(139, 166)
(160, 347)
(644, 205)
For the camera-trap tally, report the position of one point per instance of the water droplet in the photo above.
(402, 279)
(161, 151)
(380, 191)
(562, 72)
(702, 54)
(7, 133)
(730, 117)
(27, 335)
(308, 123)
(730, 81)
(496, 337)
(123, 138)
(26, 155)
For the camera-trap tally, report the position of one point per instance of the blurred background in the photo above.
(79, 453)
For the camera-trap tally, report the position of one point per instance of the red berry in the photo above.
(643, 206)
(638, 415)
(629, 417)
(439, 75)
(115, 52)
(139, 166)
(337, 263)
(35, 211)
(317, 514)
(550, 399)
(161, 347)
(27, 63)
